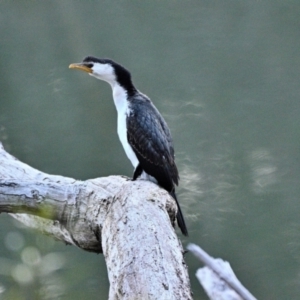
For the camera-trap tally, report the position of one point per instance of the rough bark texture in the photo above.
(128, 221)
(150, 266)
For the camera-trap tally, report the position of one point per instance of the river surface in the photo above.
(224, 74)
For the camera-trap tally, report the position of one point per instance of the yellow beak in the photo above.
(80, 66)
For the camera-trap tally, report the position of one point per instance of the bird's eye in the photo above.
(89, 65)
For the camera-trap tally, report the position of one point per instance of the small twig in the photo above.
(223, 270)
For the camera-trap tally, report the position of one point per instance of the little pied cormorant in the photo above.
(143, 132)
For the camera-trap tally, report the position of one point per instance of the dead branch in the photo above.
(130, 222)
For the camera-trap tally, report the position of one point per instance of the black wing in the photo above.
(150, 138)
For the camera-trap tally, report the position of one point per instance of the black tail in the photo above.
(180, 219)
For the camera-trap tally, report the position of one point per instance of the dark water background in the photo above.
(225, 75)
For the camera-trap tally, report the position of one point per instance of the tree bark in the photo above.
(131, 222)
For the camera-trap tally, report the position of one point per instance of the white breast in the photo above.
(120, 99)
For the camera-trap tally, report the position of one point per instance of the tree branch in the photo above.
(129, 221)
(218, 279)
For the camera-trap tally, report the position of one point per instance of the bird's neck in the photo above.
(124, 83)
(120, 96)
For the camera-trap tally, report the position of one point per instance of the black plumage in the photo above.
(151, 140)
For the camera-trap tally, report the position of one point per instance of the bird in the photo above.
(143, 132)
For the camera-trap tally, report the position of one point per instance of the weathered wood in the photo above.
(150, 265)
(131, 222)
(218, 279)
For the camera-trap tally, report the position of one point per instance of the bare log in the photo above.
(130, 222)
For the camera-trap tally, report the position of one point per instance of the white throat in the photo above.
(123, 109)
(104, 72)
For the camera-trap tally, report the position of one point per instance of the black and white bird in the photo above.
(143, 132)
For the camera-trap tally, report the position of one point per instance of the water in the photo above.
(225, 75)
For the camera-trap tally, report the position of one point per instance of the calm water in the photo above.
(225, 74)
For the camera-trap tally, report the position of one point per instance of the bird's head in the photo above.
(105, 69)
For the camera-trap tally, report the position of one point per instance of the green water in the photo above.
(225, 75)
